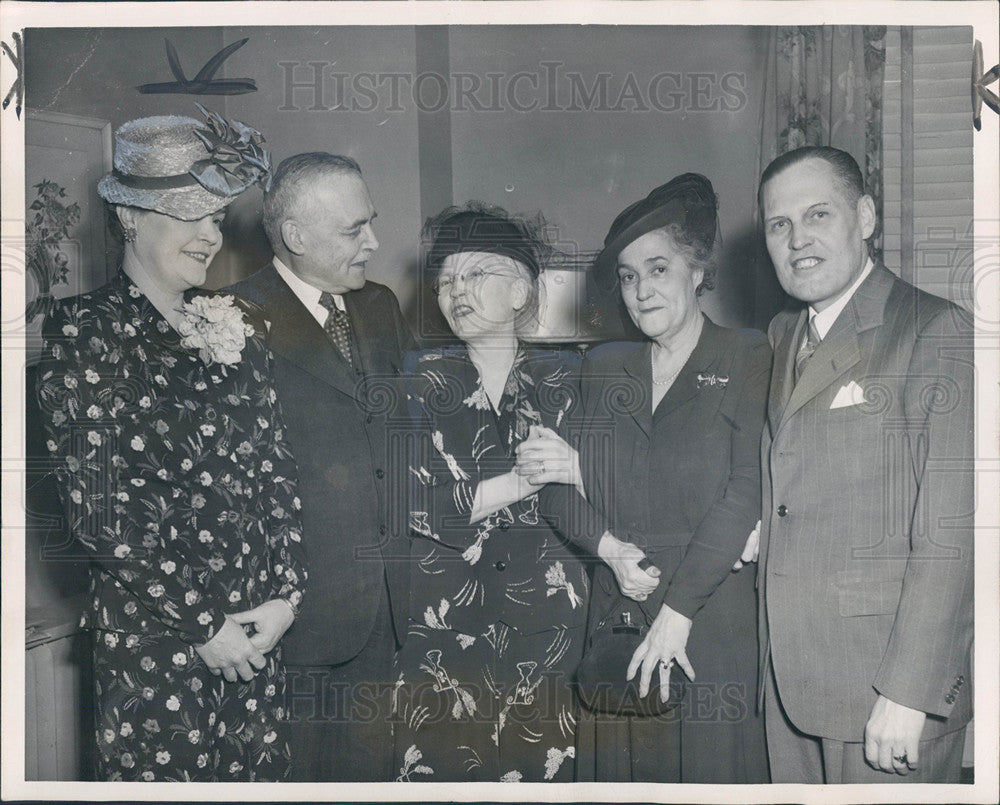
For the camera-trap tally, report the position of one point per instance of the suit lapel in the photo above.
(841, 349)
(835, 354)
(637, 366)
(298, 337)
(703, 360)
(783, 376)
(368, 334)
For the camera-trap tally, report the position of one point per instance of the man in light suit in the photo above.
(338, 343)
(866, 543)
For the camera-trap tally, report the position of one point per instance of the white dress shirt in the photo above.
(825, 318)
(307, 294)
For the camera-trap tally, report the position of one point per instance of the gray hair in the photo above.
(697, 254)
(289, 181)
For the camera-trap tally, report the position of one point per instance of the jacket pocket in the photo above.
(872, 596)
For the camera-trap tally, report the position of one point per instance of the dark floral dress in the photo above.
(179, 486)
(497, 607)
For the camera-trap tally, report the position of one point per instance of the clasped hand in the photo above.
(546, 458)
(233, 654)
(623, 558)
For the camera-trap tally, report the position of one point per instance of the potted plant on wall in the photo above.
(47, 228)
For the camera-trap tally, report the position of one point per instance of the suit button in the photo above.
(782, 510)
(950, 699)
(500, 565)
(961, 679)
(369, 419)
(380, 473)
(381, 530)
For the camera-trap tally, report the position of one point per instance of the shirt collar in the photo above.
(307, 294)
(825, 318)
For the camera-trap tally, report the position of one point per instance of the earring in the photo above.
(130, 234)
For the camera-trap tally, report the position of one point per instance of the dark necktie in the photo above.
(807, 349)
(337, 326)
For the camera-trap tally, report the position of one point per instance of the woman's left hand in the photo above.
(271, 620)
(546, 458)
(665, 644)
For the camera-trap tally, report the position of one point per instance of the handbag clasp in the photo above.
(626, 625)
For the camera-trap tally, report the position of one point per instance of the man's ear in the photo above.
(866, 215)
(291, 236)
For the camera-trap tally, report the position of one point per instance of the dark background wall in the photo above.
(582, 166)
(576, 122)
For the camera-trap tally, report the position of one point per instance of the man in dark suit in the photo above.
(866, 545)
(338, 343)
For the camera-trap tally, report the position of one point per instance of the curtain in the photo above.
(823, 86)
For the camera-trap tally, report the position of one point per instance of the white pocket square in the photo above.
(851, 394)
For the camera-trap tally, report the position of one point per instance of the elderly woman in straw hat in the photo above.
(678, 486)
(174, 472)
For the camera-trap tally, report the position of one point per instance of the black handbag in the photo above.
(600, 676)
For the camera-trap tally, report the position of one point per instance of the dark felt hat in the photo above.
(687, 200)
(482, 231)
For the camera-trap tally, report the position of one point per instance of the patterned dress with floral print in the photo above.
(178, 484)
(497, 607)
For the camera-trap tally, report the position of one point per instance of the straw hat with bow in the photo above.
(182, 167)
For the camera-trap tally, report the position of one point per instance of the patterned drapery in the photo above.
(823, 86)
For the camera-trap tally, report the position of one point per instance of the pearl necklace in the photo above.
(679, 369)
(686, 357)
(669, 380)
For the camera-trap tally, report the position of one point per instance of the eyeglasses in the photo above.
(472, 278)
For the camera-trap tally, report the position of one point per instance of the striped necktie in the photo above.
(337, 326)
(807, 349)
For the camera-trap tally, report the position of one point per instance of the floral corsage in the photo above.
(215, 327)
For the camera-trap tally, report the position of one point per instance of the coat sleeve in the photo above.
(289, 561)
(722, 533)
(578, 519)
(80, 390)
(932, 631)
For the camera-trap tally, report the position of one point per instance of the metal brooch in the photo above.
(712, 380)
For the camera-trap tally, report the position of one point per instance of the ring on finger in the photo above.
(900, 758)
